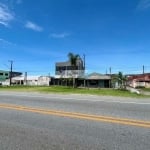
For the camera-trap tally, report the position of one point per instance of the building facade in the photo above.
(66, 70)
(96, 80)
(139, 80)
(32, 80)
(5, 75)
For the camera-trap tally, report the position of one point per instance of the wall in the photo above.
(4, 75)
(44, 80)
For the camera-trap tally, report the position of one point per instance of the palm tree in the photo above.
(120, 79)
(73, 61)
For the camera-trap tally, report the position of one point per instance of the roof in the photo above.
(67, 63)
(28, 78)
(97, 76)
(138, 74)
(140, 77)
(3, 71)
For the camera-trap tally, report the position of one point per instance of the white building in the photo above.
(44, 80)
(30, 80)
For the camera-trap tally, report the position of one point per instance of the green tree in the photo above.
(73, 61)
(120, 79)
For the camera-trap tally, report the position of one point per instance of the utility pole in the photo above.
(110, 71)
(84, 61)
(10, 74)
(84, 69)
(25, 78)
(143, 74)
(143, 69)
(110, 77)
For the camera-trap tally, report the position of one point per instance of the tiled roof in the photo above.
(140, 77)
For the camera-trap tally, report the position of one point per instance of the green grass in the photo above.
(145, 89)
(70, 90)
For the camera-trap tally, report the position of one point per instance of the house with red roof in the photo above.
(139, 80)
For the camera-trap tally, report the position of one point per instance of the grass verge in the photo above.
(70, 90)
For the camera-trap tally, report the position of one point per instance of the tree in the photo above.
(120, 79)
(73, 61)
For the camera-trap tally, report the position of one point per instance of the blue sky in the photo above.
(111, 33)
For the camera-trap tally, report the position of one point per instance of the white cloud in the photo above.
(5, 15)
(143, 4)
(59, 35)
(33, 26)
(5, 43)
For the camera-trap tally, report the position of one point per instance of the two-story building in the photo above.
(5, 75)
(66, 70)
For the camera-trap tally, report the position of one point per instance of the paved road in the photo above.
(24, 129)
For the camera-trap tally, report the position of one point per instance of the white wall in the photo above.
(44, 80)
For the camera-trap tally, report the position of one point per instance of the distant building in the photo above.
(66, 70)
(97, 80)
(32, 80)
(22, 80)
(44, 80)
(5, 75)
(139, 80)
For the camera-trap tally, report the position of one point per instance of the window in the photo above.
(6, 74)
(60, 68)
(1, 74)
(72, 67)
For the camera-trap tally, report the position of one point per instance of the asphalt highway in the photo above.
(32, 121)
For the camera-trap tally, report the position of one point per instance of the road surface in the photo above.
(31, 121)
